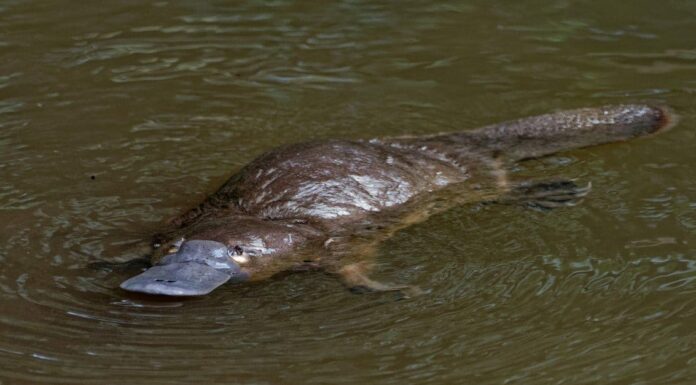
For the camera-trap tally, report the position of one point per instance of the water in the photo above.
(115, 117)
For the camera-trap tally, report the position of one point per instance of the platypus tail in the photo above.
(542, 135)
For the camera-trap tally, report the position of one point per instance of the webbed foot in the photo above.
(549, 195)
(355, 278)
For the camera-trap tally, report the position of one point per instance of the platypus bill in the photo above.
(327, 205)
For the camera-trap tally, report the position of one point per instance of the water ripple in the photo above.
(138, 111)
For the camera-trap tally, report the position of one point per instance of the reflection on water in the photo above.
(115, 117)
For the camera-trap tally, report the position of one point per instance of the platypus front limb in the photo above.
(355, 277)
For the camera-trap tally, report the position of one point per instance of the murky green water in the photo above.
(162, 101)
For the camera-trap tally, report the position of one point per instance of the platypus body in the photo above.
(328, 204)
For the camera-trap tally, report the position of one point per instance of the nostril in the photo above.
(159, 280)
(169, 281)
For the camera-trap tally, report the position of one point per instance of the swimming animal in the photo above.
(328, 204)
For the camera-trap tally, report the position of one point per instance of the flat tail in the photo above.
(669, 119)
(542, 135)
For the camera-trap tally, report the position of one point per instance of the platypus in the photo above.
(328, 204)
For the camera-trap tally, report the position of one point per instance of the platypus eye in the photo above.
(238, 250)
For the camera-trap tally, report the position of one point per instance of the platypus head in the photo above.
(196, 268)
(219, 250)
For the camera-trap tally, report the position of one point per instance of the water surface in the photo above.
(117, 116)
